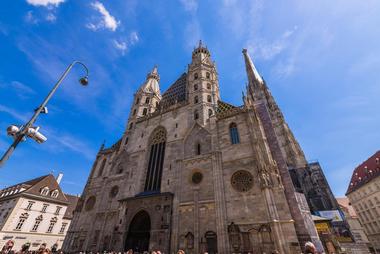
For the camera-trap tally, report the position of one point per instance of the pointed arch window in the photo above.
(198, 149)
(137, 100)
(195, 75)
(195, 87)
(210, 112)
(101, 168)
(130, 126)
(208, 86)
(208, 75)
(134, 112)
(196, 115)
(147, 100)
(234, 134)
(196, 99)
(156, 160)
(145, 110)
(208, 98)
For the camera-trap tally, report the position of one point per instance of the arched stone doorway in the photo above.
(139, 233)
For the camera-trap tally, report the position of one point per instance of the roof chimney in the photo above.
(59, 178)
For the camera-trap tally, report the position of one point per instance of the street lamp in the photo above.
(20, 133)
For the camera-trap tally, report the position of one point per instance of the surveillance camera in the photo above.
(44, 110)
(84, 81)
(13, 130)
(37, 136)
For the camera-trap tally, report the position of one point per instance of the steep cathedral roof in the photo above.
(176, 92)
(365, 172)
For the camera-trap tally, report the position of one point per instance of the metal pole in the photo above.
(21, 135)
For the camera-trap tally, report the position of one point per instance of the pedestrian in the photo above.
(7, 249)
(130, 251)
(310, 248)
(181, 252)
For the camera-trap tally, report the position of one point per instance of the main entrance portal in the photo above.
(139, 233)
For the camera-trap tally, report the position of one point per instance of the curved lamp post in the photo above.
(28, 130)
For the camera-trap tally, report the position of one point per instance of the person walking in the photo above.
(310, 248)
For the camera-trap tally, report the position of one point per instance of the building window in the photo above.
(195, 87)
(134, 112)
(45, 191)
(37, 223)
(119, 169)
(130, 126)
(147, 100)
(63, 227)
(30, 204)
(156, 160)
(58, 210)
(44, 208)
(90, 203)
(196, 99)
(208, 75)
(137, 101)
(54, 193)
(198, 149)
(208, 98)
(234, 134)
(208, 86)
(20, 223)
(51, 226)
(145, 110)
(195, 75)
(210, 112)
(196, 115)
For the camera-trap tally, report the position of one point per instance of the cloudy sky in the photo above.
(320, 60)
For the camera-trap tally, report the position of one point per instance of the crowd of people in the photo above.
(8, 249)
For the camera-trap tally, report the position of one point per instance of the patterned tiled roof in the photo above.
(176, 93)
(224, 106)
(365, 172)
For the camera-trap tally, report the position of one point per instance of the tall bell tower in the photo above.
(203, 85)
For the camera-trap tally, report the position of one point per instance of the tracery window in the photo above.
(196, 99)
(156, 160)
(234, 134)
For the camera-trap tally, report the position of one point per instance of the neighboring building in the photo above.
(364, 195)
(35, 211)
(326, 234)
(196, 173)
(356, 229)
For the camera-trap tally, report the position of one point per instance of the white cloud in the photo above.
(51, 17)
(107, 20)
(121, 45)
(30, 18)
(45, 2)
(133, 38)
(190, 5)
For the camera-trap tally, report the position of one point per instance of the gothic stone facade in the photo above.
(195, 173)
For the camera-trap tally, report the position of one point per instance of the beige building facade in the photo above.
(193, 172)
(364, 195)
(35, 211)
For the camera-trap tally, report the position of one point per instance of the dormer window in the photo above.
(45, 191)
(54, 193)
(208, 75)
(195, 75)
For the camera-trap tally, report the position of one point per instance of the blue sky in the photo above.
(320, 60)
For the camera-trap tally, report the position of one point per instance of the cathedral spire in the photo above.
(151, 84)
(255, 81)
